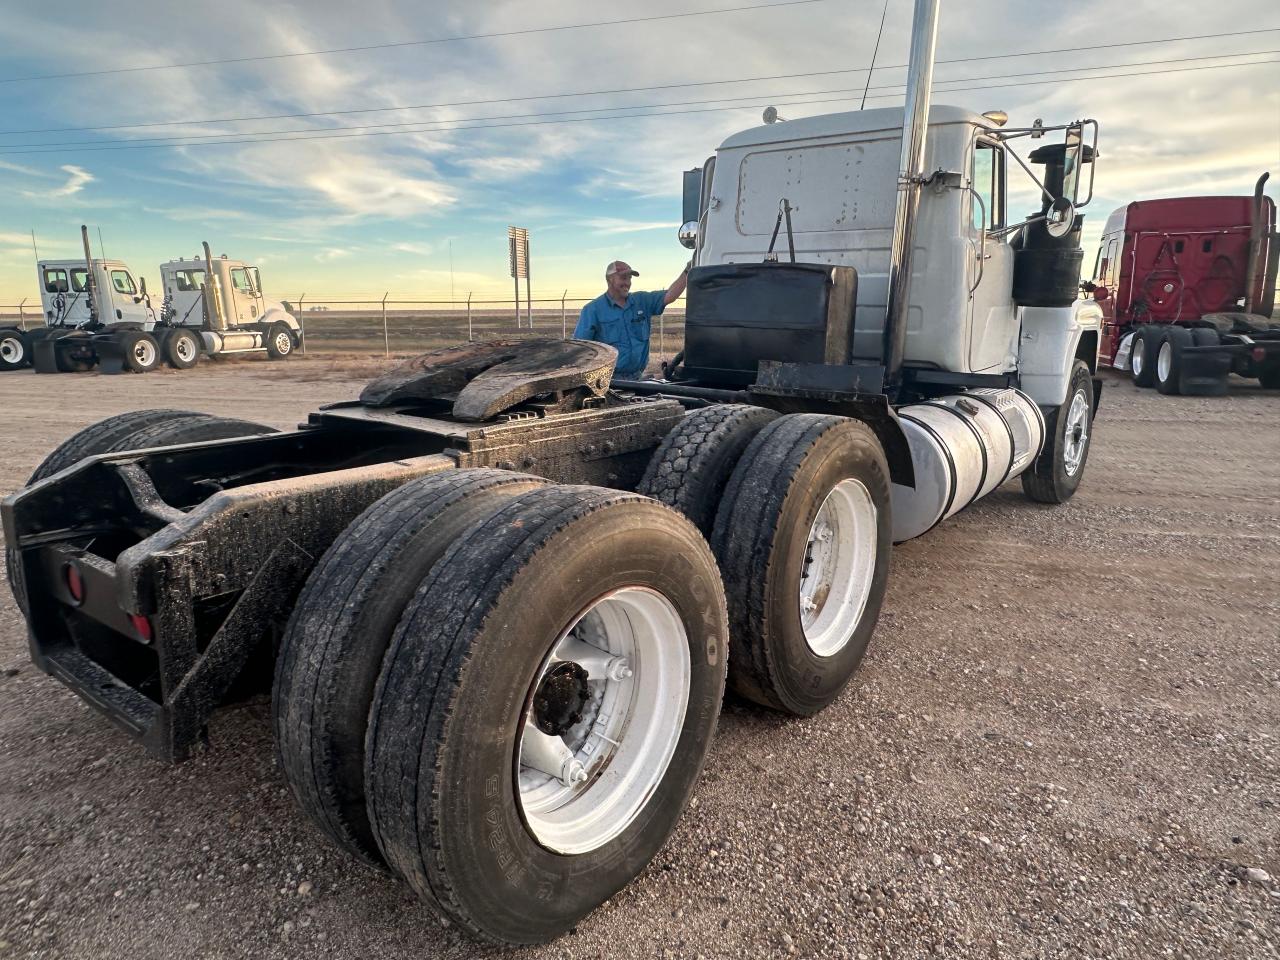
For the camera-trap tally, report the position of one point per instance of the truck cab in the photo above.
(232, 315)
(836, 175)
(64, 294)
(240, 283)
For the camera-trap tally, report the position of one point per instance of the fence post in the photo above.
(564, 324)
(469, 337)
(302, 321)
(22, 321)
(386, 338)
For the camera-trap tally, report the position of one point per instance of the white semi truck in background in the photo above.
(97, 313)
(496, 652)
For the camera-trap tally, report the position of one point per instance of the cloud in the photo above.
(332, 253)
(612, 225)
(417, 249)
(77, 177)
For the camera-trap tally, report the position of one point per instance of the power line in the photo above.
(527, 123)
(620, 90)
(409, 43)
(421, 125)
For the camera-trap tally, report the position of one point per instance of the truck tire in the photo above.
(198, 428)
(181, 349)
(803, 535)
(1142, 357)
(691, 466)
(458, 804)
(15, 350)
(1068, 432)
(104, 437)
(126, 431)
(279, 340)
(1169, 358)
(340, 630)
(140, 350)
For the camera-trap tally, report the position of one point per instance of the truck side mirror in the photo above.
(1072, 158)
(688, 235)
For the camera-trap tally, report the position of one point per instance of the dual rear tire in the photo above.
(504, 690)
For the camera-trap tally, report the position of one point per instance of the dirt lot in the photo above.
(1063, 743)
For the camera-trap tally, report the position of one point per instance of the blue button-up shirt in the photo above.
(624, 328)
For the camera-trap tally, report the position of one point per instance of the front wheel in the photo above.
(545, 708)
(1057, 471)
(279, 341)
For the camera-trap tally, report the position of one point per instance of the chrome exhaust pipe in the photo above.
(915, 124)
(213, 286)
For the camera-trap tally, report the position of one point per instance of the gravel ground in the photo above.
(1063, 743)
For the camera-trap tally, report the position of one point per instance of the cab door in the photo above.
(248, 301)
(125, 295)
(993, 319)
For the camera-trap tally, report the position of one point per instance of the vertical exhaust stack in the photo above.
(213, 291)
(97, 307)
(915, 124)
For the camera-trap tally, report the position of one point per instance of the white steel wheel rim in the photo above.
(840, 562)
(11, 349)
(144, 351)
(1164, 362)
(1076, 437)
(284, 343)
(1136, 360)
(582, 788)
(185, 348)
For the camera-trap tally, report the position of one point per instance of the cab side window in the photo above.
(123, 283)
(240, 280)
(79, 280)
(987, 178)
(55, 281)
(187, 281)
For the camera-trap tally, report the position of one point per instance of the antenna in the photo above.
(872, 68)
(101, 249)
(33, 244)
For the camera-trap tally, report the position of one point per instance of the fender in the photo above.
(275, 312)
(1052, 339)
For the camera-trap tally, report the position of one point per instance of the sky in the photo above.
(357, 208)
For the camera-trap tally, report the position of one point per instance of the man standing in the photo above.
(622, 319)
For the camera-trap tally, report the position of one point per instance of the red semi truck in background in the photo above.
(1187, 287)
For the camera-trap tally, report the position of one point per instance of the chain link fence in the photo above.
(398, 328)
(408, 327)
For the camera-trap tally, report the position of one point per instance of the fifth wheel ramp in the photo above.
(484, 379)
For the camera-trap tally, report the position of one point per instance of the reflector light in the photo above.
(142, 625)
(1259, 354)
(75, 583)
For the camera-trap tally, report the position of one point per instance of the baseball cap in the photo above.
(620, 266)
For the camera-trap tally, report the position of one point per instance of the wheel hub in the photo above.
(561, 698)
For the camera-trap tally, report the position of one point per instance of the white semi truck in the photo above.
(497, 599)
(97, 314)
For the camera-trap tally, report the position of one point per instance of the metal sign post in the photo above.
(518, 256)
